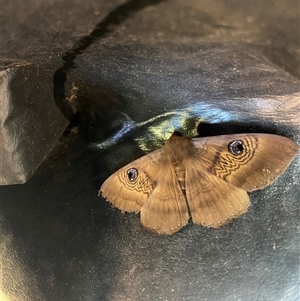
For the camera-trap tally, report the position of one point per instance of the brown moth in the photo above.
(205, 179)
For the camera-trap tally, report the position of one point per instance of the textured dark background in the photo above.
(124, 75)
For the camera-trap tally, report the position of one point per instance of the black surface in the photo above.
(31, 123)
(233, 66)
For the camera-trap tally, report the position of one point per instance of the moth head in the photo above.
(236, 147)
(177, 149)
(132, 174)
(176, 134)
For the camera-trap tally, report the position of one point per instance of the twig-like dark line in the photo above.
(115, 18)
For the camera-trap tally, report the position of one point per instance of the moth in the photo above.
(205, 179)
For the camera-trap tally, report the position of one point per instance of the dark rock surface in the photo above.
(126, 74)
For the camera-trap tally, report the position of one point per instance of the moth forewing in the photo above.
(206, 178)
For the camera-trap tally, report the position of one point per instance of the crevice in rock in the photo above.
(102, 30)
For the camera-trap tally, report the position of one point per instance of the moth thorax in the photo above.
(178, 149)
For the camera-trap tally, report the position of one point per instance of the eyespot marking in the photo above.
(132, 174)
(236, 147)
